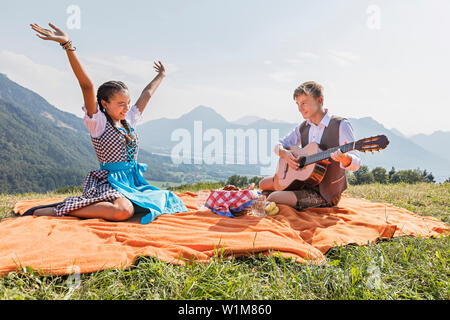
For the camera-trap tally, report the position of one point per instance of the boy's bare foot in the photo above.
(44, 212)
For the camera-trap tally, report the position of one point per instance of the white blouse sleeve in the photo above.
(134, 116)
(346, 134)
(96, 125)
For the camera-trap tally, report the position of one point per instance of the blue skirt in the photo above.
(127, 178)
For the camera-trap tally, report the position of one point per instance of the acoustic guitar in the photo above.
(313, 162)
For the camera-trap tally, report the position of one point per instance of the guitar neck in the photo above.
(327, 153)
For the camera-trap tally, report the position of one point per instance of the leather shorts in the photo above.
(311, 198)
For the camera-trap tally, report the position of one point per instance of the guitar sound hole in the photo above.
(301, 162)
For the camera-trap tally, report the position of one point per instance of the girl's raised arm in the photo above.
(150, 89)
(85, 82)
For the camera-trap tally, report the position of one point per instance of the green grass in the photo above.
(426, 199)
(197, 186)
(159, 184)
(400, 268)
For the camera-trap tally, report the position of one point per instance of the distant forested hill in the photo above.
(38, 156)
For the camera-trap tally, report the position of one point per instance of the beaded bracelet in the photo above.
(68, 46)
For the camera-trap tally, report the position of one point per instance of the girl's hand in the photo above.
(160, 68)
(58, 35)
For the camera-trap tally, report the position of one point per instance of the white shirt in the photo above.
(97, 124)
(315, 135)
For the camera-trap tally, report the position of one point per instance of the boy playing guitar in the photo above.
(327, 131)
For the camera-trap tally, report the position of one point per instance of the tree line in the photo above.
(362, 176)
(380, 175)
(236, 180)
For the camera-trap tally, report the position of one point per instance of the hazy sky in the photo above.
(385, 59)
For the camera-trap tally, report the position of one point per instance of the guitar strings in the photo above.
(321, 155)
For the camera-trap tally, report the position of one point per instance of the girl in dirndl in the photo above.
(117, 191)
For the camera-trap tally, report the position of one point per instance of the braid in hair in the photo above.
(106, 91)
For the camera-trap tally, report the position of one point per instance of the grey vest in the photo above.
(335, 179)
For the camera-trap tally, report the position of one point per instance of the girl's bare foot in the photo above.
(45, 212)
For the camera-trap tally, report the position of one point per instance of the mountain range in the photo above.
(419, 151)
(437, 142)
(43, 147)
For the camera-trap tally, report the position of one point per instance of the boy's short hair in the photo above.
(309, 88)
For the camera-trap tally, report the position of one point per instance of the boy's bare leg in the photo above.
(283, 197)
(266, 183)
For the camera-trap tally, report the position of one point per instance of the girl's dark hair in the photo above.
(105, 92)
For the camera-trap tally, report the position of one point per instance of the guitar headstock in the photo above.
(372, 143)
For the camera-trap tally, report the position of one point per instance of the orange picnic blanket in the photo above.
(54, 245)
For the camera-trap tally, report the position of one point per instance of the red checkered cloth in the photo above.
(226, 203)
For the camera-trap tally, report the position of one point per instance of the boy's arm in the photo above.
(148, 91)
(291, 139)
(281, 149)
(349, 160)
